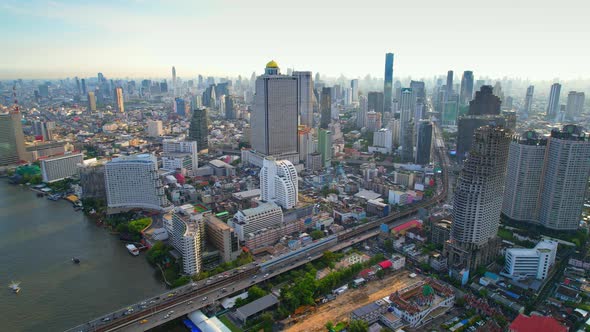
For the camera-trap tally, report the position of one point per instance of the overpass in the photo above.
(185, 299)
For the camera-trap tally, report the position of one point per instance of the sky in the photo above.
(145, 38)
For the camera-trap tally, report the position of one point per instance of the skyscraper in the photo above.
(354, 85)
(466, 87)
(91, 102)
(424, 142)
(174, 80)
(304, 97)
(325, 146)
(387, 85)
(565, 176)
(278, 183)
(83, 83)
(12, 139)
(230, 112)
(120, 102)
(575, 104)
(478, 200)
(449, 85)
(325, 107)
(199, 128)
(553, 104)
(375, 101)
(179, 106)
(78, 89)
(528, 99)
(274, 120)
(407, 106)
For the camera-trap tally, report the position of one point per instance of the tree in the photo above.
(255, 293)
(380, 274)
(358, 325)
(329, 326)
(317, 234)
(388, 245)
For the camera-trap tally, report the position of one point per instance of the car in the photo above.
(143, 303)
(152, 302)
(266, 275)
(170, 312)
(170, 295)
(167, 315)
(254, 276)
(143, 321)
(223, 290)
(106, 319)
(189, 302)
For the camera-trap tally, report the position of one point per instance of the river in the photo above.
(38, 238)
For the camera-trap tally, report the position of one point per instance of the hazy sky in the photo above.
(518, 38)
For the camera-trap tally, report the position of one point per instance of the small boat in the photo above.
(132, 249)
(75, 260)
(15, 286)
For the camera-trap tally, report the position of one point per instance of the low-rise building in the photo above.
(256, 307)
(60, 167)
(530, 263)
(370, 313)
(247, 221)
(535, 323)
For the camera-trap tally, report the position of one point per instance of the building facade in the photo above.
(222, 237)
(279, 183)
(60, 167)
(424, 142)
(553, 103)
(265, 215)
(534, 263)
(12, 139)
(199, 128)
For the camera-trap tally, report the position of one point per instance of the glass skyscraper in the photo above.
(388, 85)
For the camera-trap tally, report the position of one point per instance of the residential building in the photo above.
(222, 237)
(199, 128)
(325, 146)
(575, 104)
(535, 263)
(187, 233)
(60, 167)
(154, 128)
(43, 129)
(12, 139)
(92, 180)
(179, 153)
(325, 108)
(373, 121)
(375, 101)
(91, 102)
(305, 97)
(132, 182)
(553, 104)
(119, 101)
(528, 100)
(251, 220)
(354, 86)
(279, 182)
(383, 138)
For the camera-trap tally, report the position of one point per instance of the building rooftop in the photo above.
(247, 194)
(263, 207)
(534, 323)
(364, 310)
(259, 305)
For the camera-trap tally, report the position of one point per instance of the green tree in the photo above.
(358, 325)
(316, 234)
(255, 293)
(388, 245)
(329, 326)
(380, 274)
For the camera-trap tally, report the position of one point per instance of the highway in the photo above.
(182, 300)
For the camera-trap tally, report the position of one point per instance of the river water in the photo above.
(38, 238)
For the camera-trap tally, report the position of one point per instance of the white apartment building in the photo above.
(383, 138)
(133, 182)
(535, 263)
(187, 233)
(60, 167)
(155, 128)
(251, 220)
(278, 182)
(180, 153)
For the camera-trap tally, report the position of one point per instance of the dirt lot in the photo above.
(339, 309)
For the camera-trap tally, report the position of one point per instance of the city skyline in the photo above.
(528, 36)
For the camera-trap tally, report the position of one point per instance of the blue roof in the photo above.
(491, 275)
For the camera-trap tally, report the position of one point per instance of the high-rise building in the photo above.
(278, 183)
(43, 129)
(154, 128)
(524, 263)
(565, 175)
(575, 104)
(230, 112)
(325, 146)
(484, 110)
(223, 237)
(187, 235)
(60, 167)
(387, 85)
(12, 139)
(120, 102)
(199, 128)
(553, 104)
(528, 99)
(274, 120)
(179, 106)
(248, 221)
(374, 121)
(383, 139)
(174, 87)
(325, 107)
(181, 154)
(354, 85)
(91, 102)
(466, 87)
(449, 91)
(407, 108)
(305, 143)
(478, 200)
(424, 142)
(92, 180)
(305, 97)
(375, 101)
(83, 84)
(133, 182)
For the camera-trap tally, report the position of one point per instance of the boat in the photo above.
(15, 286)
(132, 249)
(75, 260)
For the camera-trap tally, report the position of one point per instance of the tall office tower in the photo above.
(120, 102)
(78, 89)
(275, 117)
(424, 142)
(484, 110)
(304, 97)
(179, 153)
(419, 90)
(91, 102)
(43, 129)
(575, 104)
(375, 101)
(387, 85)
(478, 200)
(565, 176)
(397, 89)
(407, 108)
(83, 83)
(199, 128)
(523, 176)
(278, 182)
(12, 139)
(466, 87)
(528, 99)
(361, 117)
(132, 182)
(449, 91)
(186, 231)
(154, 128)
(230, 112)
(174, 87)
(325, 146)
(325, 107)
(354, 85)
(395, 127)
(553, 104)
(179, 106)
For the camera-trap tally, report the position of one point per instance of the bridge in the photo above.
(186, 299)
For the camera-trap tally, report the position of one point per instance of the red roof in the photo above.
(407, 225)
(365, 272)
(534, 323)
(385, 264)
